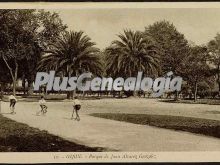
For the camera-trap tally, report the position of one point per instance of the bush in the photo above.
(204, 94)
(214, 94)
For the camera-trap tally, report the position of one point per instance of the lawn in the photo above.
(18, 137)
(194, 125)
(190, 101)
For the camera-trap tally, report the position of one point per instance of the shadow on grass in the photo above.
(194, 125)
(6, 113)
(18, 137)
(212, 112)
(190, 101)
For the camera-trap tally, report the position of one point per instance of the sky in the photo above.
(199, 25)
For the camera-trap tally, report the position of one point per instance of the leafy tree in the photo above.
(196, 68)
(205, 88)
(132, 53)
(50, 27)
(12, 47)
(24, 33)
(74, 53)
(5, 77)
(173, 44)
(214, 49)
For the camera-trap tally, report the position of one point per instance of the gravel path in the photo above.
(115, 135)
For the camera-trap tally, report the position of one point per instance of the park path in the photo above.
(113, 135)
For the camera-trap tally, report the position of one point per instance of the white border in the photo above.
(48, 157)
(106, 5)
(85, 157)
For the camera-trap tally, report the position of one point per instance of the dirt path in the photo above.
(114, 135)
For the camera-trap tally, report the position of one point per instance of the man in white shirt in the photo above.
(13, 101)
(76, 108)
(43, 107)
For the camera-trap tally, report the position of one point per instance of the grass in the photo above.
(188, 124)
(198, 101)
(18, 137)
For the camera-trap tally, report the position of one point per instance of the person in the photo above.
(13, 101)
(76, 108)
(43, 106)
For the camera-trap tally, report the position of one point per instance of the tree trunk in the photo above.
(74, 91)
(84, 94)
(13, 76)
(176, 96)
(30, 81)
(23, 84)
(195, 92)
(14, 87)
(70, 94)
(113, 93)
(30, 88)
(1, 94)
(46, 93)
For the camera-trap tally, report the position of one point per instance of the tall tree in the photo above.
(196, 67)
(173, 44)
(214, 49)
(13, 46)
(5, 77)
(50, 27)
(23, 33)
(73, 54)
(132, 53)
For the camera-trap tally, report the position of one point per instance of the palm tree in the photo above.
(132, 53)
(72, 54)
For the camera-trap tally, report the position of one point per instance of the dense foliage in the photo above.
(39, 39)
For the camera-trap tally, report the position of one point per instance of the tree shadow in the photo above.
(212, 112)
(6, 113)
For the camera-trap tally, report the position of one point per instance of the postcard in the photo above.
(109, 82)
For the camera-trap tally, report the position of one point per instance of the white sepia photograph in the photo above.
(109, 82)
